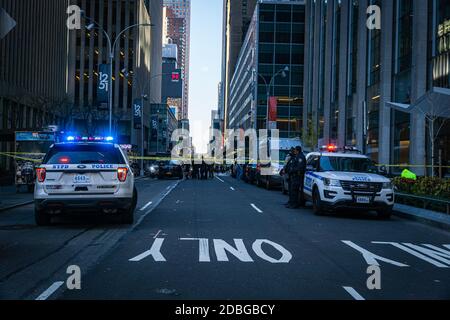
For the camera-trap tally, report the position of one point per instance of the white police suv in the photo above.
(346, 179)
(85, 175)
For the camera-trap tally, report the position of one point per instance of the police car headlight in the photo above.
(387, 185)
(331, 182)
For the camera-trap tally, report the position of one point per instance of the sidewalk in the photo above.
(10, 199)
(432, 218)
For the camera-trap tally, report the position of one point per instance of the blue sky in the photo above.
(205, 65)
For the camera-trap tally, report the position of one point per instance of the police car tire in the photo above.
(42, 218)
(317, 207)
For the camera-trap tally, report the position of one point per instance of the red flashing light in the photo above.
(332, 148)
(64, 160)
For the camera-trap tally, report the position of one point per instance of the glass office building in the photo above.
(365, 86)
(275, 40)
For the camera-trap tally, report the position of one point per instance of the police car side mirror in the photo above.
(310, 168)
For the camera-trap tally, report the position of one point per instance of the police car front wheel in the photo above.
(317, 203)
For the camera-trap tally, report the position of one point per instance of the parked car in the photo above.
(170, 169)
(84, 177)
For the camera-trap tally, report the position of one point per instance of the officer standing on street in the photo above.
(296, 168)
(287, 163)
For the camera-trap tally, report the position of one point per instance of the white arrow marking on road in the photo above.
(203, 251)
(286, 256)
(155, 252)
(221, 247)
(371, 258)
(146, 206)
(6, 23)
(415, 251)
(256, 208)
(157, 234)
(219, 179)
(353, 293)
(47, 293)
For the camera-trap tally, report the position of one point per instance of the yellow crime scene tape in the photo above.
(18, 155)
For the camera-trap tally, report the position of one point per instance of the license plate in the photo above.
(81, 179)
(363, 200)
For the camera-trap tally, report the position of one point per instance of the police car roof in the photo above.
(85, 143)
(338, 154)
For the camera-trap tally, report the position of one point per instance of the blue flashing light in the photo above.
(70, 138)
(109, 139)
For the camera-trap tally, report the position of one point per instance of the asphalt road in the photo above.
(223, 239)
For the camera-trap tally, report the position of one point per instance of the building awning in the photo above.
(435, 102)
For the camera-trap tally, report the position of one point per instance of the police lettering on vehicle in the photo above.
(102, 166)
(61, 166)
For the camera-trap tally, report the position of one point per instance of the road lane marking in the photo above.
(146, 206)
(371, 258)
(157, 234)
(414, 250)
(256, 208)
(203, 248)
(47, 293)
(155, 252)
(239, 251)
(219, 179)
(353, 293)
(232, 188)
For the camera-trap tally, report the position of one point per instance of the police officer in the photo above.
(296, 168)
(287, 163)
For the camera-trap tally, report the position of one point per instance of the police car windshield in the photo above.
(347, 164)
(84, 154)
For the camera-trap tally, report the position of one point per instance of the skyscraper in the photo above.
(359, 81)
(177, 20)
(236, 20)
(32, 72)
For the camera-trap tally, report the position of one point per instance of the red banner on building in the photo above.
(273, 105)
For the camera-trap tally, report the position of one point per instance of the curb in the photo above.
(434, 219)
(16, 206)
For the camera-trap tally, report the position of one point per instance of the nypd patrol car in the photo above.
(346, 179)
(85, 175)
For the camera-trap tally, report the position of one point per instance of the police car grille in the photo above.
(362, 186)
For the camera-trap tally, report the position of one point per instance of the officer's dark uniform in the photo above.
(297, 168)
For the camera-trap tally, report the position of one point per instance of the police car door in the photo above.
(312, 164)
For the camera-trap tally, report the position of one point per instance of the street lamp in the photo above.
(144, 97)
(111, 46)
(283, 72)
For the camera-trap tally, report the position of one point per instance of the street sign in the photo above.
(103, 83)
(137, 113)
(6, 23)
(175, 77)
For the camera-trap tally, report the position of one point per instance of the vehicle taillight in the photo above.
(40, 173)
(122, 174)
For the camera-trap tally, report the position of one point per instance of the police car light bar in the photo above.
(89, 139)
(329, 148)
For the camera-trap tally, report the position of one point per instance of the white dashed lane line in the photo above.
(231, 188)
(353, 293)
(256, 208)
(47, 293)
(146, 206)
(219, 179)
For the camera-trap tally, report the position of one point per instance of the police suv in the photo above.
(87, 174)
(346, 179)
